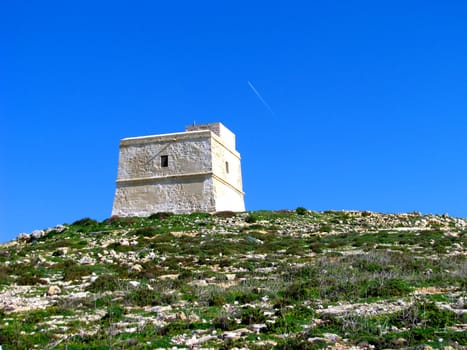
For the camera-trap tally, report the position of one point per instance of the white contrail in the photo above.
(260, 97)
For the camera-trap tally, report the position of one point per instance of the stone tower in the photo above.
(193, 171)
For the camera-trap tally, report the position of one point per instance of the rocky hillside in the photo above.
(258, 280)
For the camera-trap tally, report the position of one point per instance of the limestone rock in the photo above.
(86, 260)
(54, 290)
(331, 337)
(134, 284)
(36, 234)
(136, 267)
(194, 318)
(257, 327)
(23, 237)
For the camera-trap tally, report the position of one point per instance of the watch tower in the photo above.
(193, 171)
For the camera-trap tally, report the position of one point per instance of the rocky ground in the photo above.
(259, 280)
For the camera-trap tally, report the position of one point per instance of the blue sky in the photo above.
(367, 100)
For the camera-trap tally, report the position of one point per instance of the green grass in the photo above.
(282, 268)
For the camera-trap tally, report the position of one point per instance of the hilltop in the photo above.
(258, 280)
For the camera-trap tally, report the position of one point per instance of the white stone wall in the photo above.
(141, 157)
(196, 178)
(227, 198)
(222, 155)
(227, 136)
(183, 195)
(227, 182)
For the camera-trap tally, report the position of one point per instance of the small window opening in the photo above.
(227, 167)
(164, 161)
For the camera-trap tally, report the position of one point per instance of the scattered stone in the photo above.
(230, 335)
(257, 327)
(193, 318)
(60, 228)
(399, 341)
(181, 316)
(169, 277)
(199, 283)
(136, 267)
(36, 234)
(254, 240)
(23, 237)
(134, 284)
(331, 337)
(53, 290)
(63, 250)
(86, 260)
(316, 339)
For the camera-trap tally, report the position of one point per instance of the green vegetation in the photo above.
(301, 211)
(288, 279)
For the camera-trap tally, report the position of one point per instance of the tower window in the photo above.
(164, 161)
(227, 167)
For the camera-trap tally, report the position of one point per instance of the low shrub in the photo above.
(119, 247)
(301, 211)
(297, 291)
(5, 272)
(160, 216)
(217, 298)
(251, 218)
(316, 247)
(120, 222)
(285, 325)
(147, 231)
(426, 314)
(104, 283)
(114, 313)
(245, 297)
(199, 215)
(73, 271)
(29, 280)
(85, 222)
(144, 297)
(250, 315)
(225, 214)
(174, 328)
(225, 323)
(387, 288)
